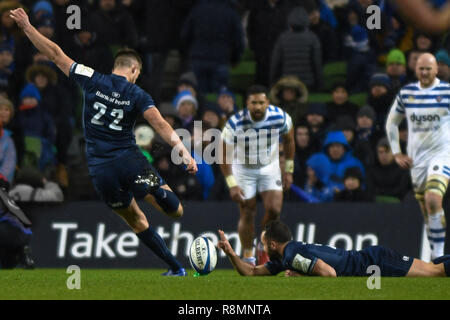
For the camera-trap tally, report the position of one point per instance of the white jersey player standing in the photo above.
(251, 164)
(426, 106)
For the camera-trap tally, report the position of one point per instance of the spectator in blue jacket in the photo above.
(8, 158)
(318, 178)
(36, 122)
(214, 38)
(338, 151)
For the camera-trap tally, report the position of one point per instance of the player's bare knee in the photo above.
(433, 202)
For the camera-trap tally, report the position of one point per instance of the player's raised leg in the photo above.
(137, 220)
(273, 201)
(165, 200)
(246, 229)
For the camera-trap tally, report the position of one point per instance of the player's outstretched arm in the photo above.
(44, 45)
(424, 16)
(322, 269)
(244, 269)
(393, 120)
(154, 118)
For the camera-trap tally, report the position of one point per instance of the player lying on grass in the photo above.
(298, 258)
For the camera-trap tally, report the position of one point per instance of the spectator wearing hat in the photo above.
(396, 69)
(316, 118)
(353, 187)
(212, 49)
(226, 100)
(339, 152)
(188, 81)
(55, 103)
(186, 106)
(361, 63)
(290, 94)
(385, 177)
(317, 185)
(367, 135)
(36, 122)
(443, 61)
(347, 126)
(340, 105)
(380, 96)
(298, 52)
(42, 8)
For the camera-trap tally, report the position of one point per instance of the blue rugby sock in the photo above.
(167, 200)
(152, 239)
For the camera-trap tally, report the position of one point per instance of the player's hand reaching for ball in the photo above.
(403, 161)
(20, 17)
(224, 244)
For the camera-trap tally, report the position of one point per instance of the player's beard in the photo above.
(274, 255)
(257, 116)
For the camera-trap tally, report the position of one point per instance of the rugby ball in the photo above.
(203, 255)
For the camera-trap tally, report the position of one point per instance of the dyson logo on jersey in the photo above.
(419, 119)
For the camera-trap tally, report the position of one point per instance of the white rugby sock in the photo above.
(436, 224)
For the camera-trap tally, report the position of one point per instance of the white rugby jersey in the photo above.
(256, 143)
(428, 115)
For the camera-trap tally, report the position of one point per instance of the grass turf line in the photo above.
(219, 285)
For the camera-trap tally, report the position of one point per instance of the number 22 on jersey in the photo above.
(117, 114)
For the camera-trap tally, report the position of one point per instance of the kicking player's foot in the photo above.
(261, 255)
(251, 261)
(150, 179)
(179, 273)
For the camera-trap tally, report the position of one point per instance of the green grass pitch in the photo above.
(219, 285)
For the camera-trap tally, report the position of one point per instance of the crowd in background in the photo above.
(341, 151)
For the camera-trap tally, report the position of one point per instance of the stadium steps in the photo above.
(386, 199)
(239, 100)
(334, 72)
(33, 151)
(242, 76)
(358, 98)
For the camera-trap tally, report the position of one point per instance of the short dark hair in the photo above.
(257, 89)
(277, 231)
(125, 57)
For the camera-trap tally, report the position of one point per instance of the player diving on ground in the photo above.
(298, 258)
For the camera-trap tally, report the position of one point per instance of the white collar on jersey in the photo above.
(436, 82)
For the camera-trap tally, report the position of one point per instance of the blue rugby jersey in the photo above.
(111, 105)
(302, 257)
